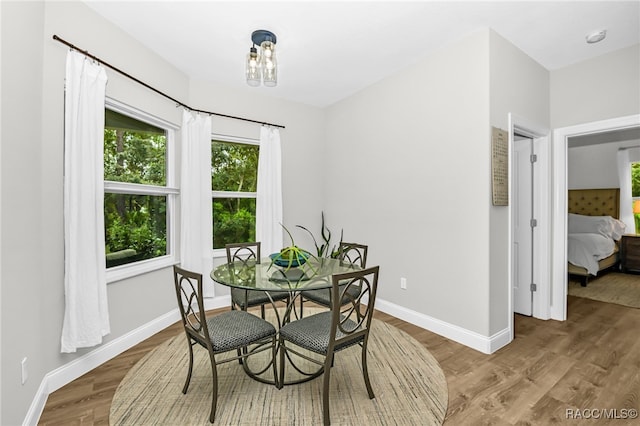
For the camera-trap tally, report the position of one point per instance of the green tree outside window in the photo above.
(135, 224)
(635, 191)
(234, 176)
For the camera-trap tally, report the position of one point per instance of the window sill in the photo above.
(220, 254)
(119, 273)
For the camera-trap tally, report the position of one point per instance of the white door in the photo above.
(522, 256)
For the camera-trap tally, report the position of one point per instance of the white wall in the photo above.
(597, 89)
(23, 277)
(417, 148)
(595, 166)
(406, 158)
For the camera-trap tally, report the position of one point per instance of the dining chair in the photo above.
(331, 331)
(221, 333)
(352, 253)
(242, 298)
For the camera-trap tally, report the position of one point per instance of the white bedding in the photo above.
(586, 250)
(605, 225)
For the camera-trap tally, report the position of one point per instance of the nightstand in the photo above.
(630, 253)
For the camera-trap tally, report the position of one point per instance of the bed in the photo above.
(593, 232)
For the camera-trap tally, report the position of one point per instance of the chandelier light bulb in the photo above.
(268, 64)
(253, 72)
(267, 49)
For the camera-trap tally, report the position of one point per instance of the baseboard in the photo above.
(499, 340)
(37, 405)
(484, 344)
(79, 366)
(70, 371)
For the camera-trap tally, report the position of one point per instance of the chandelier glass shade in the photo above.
(262, 66)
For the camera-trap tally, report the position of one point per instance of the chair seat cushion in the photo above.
(236, 329)
(323, 296)
(255, 297)
(312, 333)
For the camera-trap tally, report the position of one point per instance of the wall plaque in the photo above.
(499, 167)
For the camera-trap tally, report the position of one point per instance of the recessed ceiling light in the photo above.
(596, 36)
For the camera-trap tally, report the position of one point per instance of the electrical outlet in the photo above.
(403, 283)
(25, 374)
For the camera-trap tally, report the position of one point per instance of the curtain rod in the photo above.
(182, 104)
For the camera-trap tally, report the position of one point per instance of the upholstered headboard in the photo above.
(595, 202)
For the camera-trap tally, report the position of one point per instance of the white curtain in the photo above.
(625, 157)
(86, 316)
(196, 215)
(269, 197)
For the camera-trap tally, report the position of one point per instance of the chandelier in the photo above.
(261, 60)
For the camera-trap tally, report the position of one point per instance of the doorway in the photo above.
(529, 252)
(559, 281)
(522, 224)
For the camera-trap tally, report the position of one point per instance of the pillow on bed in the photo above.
(604, 225)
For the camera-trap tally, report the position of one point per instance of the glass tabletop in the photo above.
(266, 276)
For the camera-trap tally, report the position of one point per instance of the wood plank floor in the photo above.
(549, 371)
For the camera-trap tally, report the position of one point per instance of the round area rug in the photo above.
(409, 386)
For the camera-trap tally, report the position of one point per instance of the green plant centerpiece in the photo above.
(322, 249)
(291, 256)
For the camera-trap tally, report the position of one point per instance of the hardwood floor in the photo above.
(549, 371)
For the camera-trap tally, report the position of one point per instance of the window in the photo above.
(138, 197)
(234, 175)
(635, 193)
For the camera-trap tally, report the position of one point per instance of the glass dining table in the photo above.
(268, 277)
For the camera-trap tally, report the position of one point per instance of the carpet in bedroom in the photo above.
(612, 287)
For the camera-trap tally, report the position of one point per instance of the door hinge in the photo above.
(534, 287)
(533, 158)
(533, 223)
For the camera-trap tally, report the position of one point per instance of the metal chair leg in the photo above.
(275, 370)
(280, 382)
(365, 372)
(214, 396)
(325, 389)
(301, 305)
(190, 371)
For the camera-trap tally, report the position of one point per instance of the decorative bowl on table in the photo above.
(290, 259)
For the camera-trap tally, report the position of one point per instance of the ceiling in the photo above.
(329, 50)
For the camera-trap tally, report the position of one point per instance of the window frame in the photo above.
(170, 190)
(221, 252)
